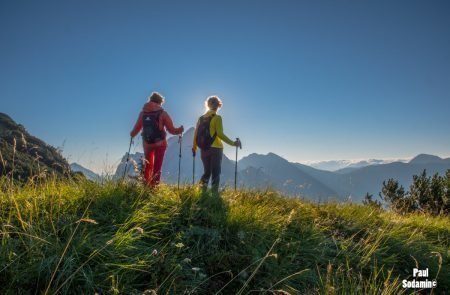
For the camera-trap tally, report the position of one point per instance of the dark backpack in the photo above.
(204, 139)
(150, 125)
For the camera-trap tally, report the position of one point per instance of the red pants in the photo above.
(154, 157)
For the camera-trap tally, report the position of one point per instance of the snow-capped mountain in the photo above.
(89, 174)
(134, 164)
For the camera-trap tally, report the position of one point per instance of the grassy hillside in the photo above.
(24, 156)
(81, 237)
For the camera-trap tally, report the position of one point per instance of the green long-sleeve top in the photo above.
(215, 127)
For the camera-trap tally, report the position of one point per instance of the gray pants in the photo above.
(212, 165)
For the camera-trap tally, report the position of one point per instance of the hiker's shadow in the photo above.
(204, 209)
(204, 220)
(211, 210)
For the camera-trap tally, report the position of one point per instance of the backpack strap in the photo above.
(203, 117)
(160, 122)
(215, 133)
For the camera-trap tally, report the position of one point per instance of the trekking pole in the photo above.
(193, 168)
(236, 162)
(128, 159)
(180, 139)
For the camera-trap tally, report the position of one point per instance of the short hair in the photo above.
(156, 97)
(213, 103)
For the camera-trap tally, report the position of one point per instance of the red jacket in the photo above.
(165, 122)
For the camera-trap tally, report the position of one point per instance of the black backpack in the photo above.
(150, 125)
(204, 139)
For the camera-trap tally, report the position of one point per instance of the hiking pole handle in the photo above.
(238, 143)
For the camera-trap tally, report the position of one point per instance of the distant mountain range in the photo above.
(343, 166)
(351, 181)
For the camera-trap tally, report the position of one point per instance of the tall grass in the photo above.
(78, 237)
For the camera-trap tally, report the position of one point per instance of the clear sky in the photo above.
(308, 80)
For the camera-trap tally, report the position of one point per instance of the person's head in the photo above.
(213, 103)
(156, 98)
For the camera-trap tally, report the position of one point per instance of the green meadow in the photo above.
(80, 237)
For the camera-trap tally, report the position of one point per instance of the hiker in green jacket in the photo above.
(208, 137)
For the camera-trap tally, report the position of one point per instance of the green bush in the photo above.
(426, 194)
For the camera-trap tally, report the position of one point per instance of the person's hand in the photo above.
(194, 152)
(182, 129)
(238, 143)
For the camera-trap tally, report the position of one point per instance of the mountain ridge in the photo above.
(348, 165)
(274, 172)
(25, 155)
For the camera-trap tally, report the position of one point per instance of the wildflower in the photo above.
(139, 229)
(154, 252)
(187, 260)
(179, 245)
(24, 141)
(290, 216)
(87, 220)
(243, 275)
(196, 269)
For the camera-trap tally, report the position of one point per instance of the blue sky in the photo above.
(308, 80)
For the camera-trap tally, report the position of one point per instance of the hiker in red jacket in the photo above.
(154, 122)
